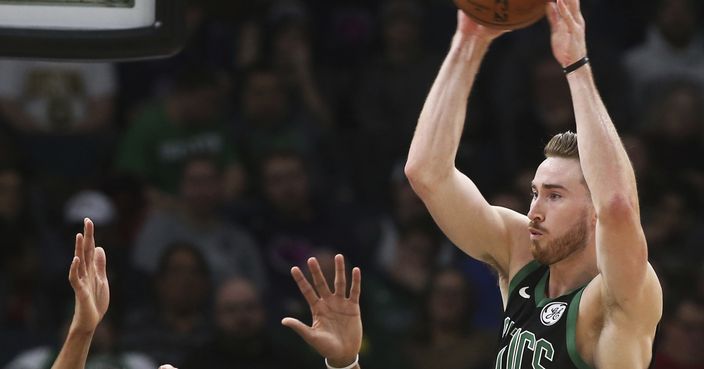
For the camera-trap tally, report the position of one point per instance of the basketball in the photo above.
(503, 14)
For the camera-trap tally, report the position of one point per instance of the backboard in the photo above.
(91, 29)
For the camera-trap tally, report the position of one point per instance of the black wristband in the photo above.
(576, 65)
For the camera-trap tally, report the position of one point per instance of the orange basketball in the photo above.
(503, 14)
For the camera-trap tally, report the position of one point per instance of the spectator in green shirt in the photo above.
(188, 122)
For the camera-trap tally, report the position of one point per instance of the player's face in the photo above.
(561, 212)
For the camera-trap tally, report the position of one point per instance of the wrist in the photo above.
(469, 46)
(81, 330)
(463, 39)
(580, 73)
(340, 363)
(576, 65)
(80, 333)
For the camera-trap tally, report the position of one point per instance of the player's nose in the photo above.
(536, 214)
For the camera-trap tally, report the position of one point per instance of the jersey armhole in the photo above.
(571, 335)
(529, 268)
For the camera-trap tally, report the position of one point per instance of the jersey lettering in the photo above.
(543, 349)
(520, 340)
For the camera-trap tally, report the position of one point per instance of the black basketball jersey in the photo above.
(538, 332)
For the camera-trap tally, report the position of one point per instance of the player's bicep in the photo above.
(482, 231)
(622, 259)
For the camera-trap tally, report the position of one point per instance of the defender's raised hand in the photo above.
(90, 285)
(89, 281)
(567, 27)
(336, 332)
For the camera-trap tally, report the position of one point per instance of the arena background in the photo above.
(280, 133)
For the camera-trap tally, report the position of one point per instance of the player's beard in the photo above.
(552, 251)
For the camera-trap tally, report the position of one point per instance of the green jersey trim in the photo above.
(529, 268)
(572, 314)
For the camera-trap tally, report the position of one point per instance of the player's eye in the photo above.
(555, 196)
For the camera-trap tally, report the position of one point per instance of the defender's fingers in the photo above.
(80, 254)
(88, 228)
(340, 278)
(356, 288)
(303, 330)
(73, 272)
(304, 286)
(77, 245)
(88, 242)
(101, 263)
(321, 285)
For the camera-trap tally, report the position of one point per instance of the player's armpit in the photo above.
(627, 335)
(640, 307)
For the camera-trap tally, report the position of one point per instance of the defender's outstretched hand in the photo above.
(567, 27)
(89, 281)
(90, 285)
(336, 332)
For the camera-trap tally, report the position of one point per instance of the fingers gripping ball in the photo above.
(503, 14)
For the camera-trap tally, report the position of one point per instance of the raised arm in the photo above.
(480, 230)
(90, 285)
(629, 283)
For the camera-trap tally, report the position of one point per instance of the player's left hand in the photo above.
(89, 281)
(567, 28)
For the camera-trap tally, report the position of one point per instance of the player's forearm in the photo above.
(604, 161)
(74, 353)
(439, 129)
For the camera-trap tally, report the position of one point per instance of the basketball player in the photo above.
(577, 288)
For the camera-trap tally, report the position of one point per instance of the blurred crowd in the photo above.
(280, 133)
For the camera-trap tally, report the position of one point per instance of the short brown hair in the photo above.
(562, 145)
